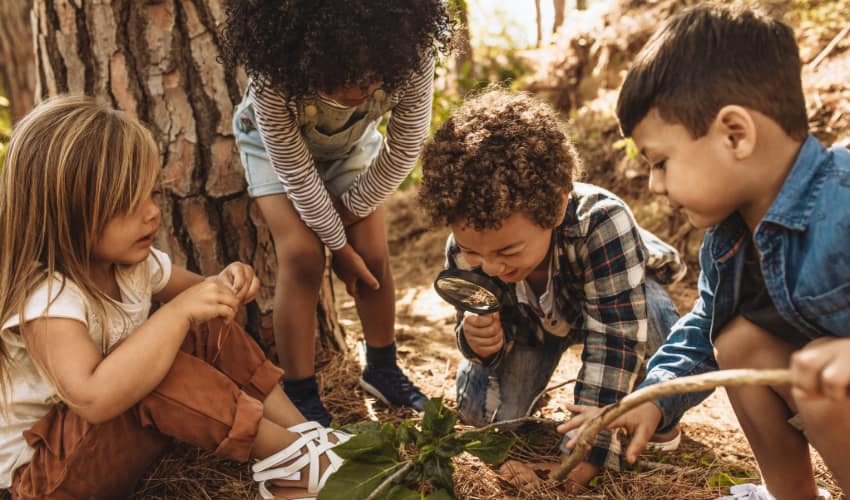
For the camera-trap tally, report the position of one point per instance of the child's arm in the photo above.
(822, 369)
(101, 387)
(406, 132)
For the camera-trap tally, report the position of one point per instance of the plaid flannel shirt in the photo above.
(600, 264)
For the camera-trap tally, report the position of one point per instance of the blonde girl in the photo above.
(93, 385)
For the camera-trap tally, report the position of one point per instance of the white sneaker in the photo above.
(759, 492)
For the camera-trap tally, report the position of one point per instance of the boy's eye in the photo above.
(660, 165)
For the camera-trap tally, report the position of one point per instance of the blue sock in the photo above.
(302, 388)
(381, 357)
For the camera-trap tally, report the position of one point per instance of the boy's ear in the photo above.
(734, 126)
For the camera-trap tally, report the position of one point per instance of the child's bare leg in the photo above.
(781, 450)
(376, 308)
(277, 408)
(300, 267)
(271, 438)
(827, 425)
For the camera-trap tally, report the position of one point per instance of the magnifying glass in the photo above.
(472, 291)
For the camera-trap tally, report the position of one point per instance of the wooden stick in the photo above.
(681, 385)
(831, 45)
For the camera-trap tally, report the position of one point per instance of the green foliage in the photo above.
(374, 454)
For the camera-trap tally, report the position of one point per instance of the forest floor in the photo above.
(714, 453)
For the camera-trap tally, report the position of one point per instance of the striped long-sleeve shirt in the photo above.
(278, 123)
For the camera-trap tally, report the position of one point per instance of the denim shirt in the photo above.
(804, 240)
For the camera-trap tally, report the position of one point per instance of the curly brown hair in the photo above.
(500, 153)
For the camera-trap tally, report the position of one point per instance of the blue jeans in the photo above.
(507, 391)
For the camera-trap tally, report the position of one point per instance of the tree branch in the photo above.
(695, 383)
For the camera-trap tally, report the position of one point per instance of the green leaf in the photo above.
(438, 420)
(368, 446)
(390, 434)
(450, 446)
(356, 480)
(358, 427)
(721, 479)
(408, 433)
(440, 471)
(439, 495)
(491, 448)
(399, 492)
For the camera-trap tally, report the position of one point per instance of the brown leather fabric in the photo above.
(211, 398)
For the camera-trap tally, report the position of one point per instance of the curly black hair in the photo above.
(500, 153)
(299, 47)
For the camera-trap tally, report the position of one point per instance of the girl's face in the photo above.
(351, 96)
(127, 238)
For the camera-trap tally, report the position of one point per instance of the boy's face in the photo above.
(698, 176)
(509, 253)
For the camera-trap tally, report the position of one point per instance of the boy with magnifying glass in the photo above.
(570, 257)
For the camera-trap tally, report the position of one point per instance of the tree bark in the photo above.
(17, 56)
(560, 7)
(158, 60)
(539, 23)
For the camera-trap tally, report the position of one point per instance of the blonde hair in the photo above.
(72, 164)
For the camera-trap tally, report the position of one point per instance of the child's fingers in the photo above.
(806, 366)
(252, 290)
(835, 380)
(639, 439)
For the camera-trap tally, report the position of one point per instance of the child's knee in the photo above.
(738, 341)
(303, 262)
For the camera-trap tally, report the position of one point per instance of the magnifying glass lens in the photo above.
(466, 294)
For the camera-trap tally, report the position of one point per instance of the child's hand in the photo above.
(640, 422)
(822, 369)
(483, 333)
(241, 279)
(350, 267)
(524, 475)
(211, 298)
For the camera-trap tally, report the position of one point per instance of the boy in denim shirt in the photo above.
(500, 173)
(714, 102)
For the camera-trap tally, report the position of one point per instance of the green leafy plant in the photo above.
(374, 467)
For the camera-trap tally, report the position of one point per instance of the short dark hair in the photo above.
(499, 154)
(707, 57)
(300, 47)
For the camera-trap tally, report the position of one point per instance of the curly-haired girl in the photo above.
(323, 73)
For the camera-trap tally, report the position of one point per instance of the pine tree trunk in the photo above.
(560, 7)
(17, 56)
(159, 61)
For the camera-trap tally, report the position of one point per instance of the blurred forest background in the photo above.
(157, 59)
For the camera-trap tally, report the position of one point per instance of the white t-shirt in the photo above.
(31, 396)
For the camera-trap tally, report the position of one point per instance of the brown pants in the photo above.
(212, 397)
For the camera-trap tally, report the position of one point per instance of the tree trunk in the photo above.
(539, 23)
(560, 7)
(158, 61)
(17, 56)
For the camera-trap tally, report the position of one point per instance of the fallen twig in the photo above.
(695, 383)
(831, 45)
